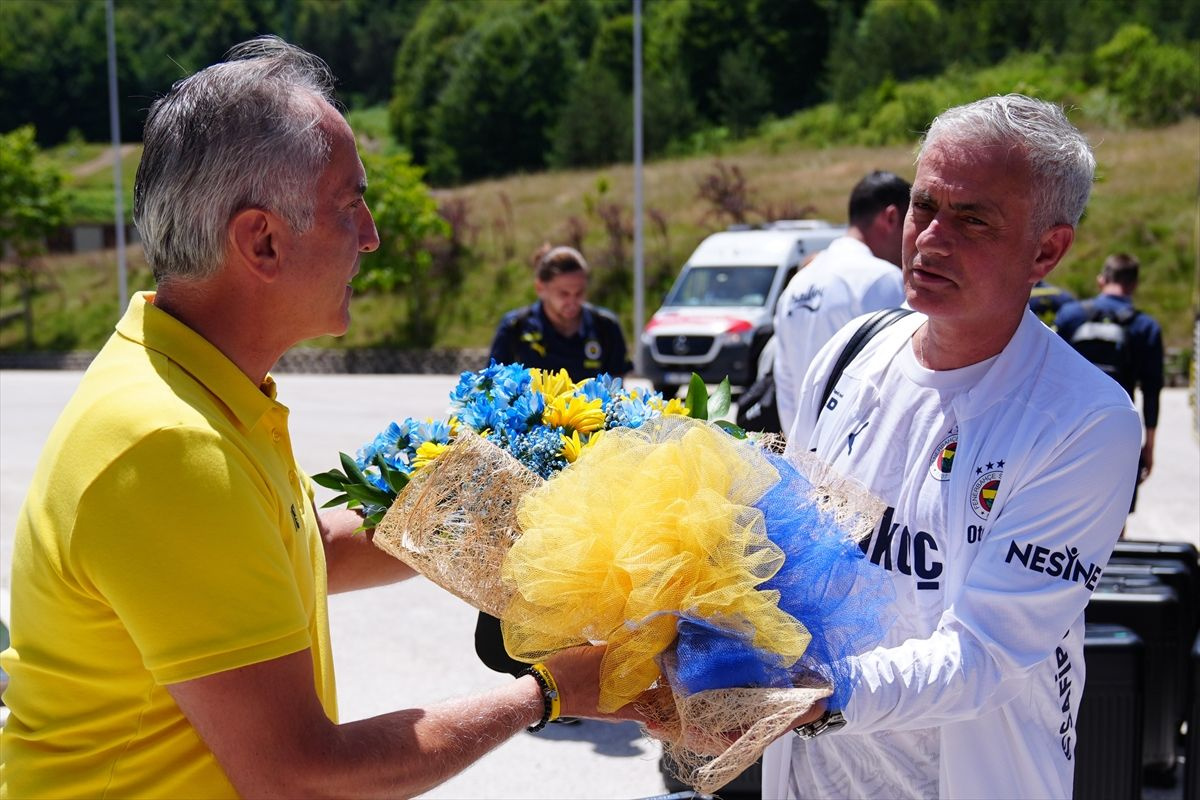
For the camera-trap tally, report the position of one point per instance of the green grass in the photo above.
(1144, 202)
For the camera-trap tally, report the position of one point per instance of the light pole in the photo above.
(114, 122)
(639, 256)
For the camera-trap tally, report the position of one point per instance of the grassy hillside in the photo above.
(1145, 202)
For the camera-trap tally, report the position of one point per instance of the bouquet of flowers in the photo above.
(722, 577)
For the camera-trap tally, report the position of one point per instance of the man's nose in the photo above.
(368, 236)
(934, 239)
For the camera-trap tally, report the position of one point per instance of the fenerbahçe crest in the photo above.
(943, 457)
(983, 491)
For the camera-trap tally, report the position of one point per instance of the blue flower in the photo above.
(538, 449)
(428, 431)
(603, 387)
(631, 411)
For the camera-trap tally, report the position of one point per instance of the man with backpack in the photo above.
(1123, 342)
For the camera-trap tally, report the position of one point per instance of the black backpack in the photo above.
(1103, 339)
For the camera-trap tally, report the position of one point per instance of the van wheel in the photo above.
(667, 390)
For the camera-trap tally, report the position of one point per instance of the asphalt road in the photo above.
(411, 644)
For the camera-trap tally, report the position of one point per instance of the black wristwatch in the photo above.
(829, 721)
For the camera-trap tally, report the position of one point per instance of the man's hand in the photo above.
(577, 673)
(1146, 457)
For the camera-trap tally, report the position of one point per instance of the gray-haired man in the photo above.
(1006, 463)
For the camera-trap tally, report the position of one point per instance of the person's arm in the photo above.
(787, 384)
(267, 729)
(616, 360)
(502, 351)
(1146, 461)
(1065, 513)
(352, 561)
(1150, 381)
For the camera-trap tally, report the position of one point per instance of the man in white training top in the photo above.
(1006, 463)
(857, 273)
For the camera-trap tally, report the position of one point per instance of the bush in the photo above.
(1155, 84)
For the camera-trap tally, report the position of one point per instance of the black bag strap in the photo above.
(1093, 313)
(873, 325)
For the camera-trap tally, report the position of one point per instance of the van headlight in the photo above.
(735, 338)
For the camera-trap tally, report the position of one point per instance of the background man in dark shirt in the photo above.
(1142, 365)
(562, 330)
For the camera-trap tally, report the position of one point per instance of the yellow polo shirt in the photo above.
(167, 535)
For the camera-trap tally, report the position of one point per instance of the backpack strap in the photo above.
(873, 325)
(1093, 313)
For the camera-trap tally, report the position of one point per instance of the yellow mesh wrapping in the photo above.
(651, 522)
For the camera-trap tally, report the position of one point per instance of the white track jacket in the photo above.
(1006, 484)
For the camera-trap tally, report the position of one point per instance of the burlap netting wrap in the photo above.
(457, 520)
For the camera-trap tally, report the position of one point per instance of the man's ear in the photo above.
(254, 241)
(892, 216)
(1053, 245)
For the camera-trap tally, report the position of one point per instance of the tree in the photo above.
(594, 124)
(33, 204)
(742, 93)
(495, 114)
(1155, 84)
(407, 218)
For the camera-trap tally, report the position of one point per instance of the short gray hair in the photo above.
(1059, 156)
(244, 133)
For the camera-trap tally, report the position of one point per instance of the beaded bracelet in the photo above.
(552, 703)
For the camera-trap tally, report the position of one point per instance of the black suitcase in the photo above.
(1177, 564)
(1191, 778)
(1152, 610)
(1108, 750)
(1183, 552)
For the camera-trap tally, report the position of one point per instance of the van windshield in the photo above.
(723, 286)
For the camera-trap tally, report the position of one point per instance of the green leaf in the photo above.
(333, 479)
(352, 469)
(396, 479)
(697, 398)
(369, 494)
(718, 404)
(337, 501)
(730, 428)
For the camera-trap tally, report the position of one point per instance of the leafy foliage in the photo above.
(1154, 83)
(33, 202)
(406, 215)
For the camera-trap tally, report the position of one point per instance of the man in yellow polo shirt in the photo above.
(169, 626)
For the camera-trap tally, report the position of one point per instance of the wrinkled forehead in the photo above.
(968, 150)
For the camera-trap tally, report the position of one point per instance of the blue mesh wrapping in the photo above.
(826, 583)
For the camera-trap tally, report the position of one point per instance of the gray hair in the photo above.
(1059, 156)
(244, 133)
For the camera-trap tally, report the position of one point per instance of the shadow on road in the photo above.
(607, 738)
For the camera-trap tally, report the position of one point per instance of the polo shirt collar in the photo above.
(156, 330)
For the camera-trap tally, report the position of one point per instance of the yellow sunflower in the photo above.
(551, 384)
(574, 413)
(669, 407)
(427, 452)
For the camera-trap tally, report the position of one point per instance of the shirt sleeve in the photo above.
(787, 383)
(1150, 371)
(198, 569)
(502, 351)
(1067, 319)
(1027, 586)
(616, 356)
